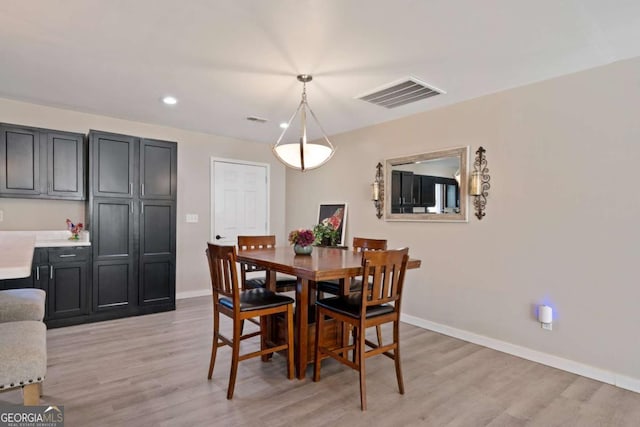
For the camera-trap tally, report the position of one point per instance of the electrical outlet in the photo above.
(547, 326)
(192, 218)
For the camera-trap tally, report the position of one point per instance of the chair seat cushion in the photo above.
(23, 353)
(22, 304)
(261, 282)
(255, 299)
(350, 306)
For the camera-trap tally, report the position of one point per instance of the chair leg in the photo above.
(361, 367)
(319, 343)
(31, 395)
(214, 344)
(379, 334)
(235, 355)
(396, 355)
(290, 343)
(263, 336)
(354, 335)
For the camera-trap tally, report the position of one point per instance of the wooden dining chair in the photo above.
(374, 306)
(360, 244)
(239, 305)
(283, 283)
(334, 287)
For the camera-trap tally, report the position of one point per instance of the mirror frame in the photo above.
(462, 216)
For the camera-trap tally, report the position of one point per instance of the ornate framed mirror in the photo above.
(430, 186)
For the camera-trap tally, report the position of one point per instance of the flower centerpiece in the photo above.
(74, 229)
(302, 241)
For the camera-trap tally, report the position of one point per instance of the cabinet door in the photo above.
(112, 164)
(407, 188)
(114, 258)
(396, 188)
(68, 289)
(65, 165)
(20, 161)
(157, 252)
(158, 169)
(427, 191)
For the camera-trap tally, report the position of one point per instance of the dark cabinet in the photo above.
(64, 274)
(114, 258)
(112, 164)
(132, 218)
(157, 252)
(20, 166)
(401, 192)
(427, 191)
(68, 294)
(158, 170)
(65, 165)
(41, 163)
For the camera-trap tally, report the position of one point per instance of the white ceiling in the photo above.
(228, 59)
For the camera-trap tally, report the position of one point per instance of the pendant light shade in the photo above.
(300, 153)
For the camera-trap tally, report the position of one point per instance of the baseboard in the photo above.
(193, 294)
(622, 381)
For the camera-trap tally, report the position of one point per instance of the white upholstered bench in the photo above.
(22, 304)
(23, 358)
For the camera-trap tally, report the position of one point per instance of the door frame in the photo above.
(212, 211)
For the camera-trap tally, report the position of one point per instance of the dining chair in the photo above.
(283, 283)
(239, 305)
(360, 244)
(334, 287)
(374, 306)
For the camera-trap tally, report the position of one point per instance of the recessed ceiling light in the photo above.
(284, 125)
(169, 100)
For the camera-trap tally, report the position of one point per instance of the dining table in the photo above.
(324, 263)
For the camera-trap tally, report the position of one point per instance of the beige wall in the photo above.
(562, 215)
(194, 153)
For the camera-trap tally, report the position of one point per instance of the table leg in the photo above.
(269, 324)
(302, 326)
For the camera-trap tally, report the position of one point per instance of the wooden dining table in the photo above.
(322, 264)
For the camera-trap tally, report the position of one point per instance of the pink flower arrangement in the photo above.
(301, 237)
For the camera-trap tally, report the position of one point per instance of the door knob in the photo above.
(218, 237)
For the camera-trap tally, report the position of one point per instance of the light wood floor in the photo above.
(152, 371)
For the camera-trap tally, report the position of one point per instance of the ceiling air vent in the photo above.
(401, 92)
(257, 119)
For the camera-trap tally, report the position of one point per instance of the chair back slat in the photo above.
(361, 244)
(254, 242)
(224, 275)
(387, 270)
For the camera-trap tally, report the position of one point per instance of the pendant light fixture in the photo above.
(302, 154)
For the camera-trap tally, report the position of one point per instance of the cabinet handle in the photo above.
(50, 271)
(131, 206)
(141, 208)
(38, 273)
(131, 188)
(142, 189)
(67, 255)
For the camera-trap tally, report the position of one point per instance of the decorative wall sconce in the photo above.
(479, 183)
(377, 190)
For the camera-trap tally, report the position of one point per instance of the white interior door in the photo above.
(239, 200)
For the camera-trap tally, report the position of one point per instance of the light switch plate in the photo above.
(192, 218)
(1, 215)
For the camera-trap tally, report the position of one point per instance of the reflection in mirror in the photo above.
(427, 187)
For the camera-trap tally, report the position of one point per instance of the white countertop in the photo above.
(16, 249)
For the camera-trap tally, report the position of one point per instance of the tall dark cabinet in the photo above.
(132, 219)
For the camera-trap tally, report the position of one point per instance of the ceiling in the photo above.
(228, 59)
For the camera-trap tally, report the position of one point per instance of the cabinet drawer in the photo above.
(69, 254)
